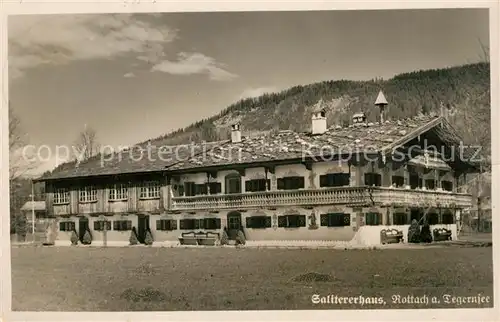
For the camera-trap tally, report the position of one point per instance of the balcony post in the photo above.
(406, 175)
(208, 183)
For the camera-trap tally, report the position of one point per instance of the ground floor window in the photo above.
(433, 218)
(400, 218)
(335, 220)
(122, 225)
(204, 223)
(292, 221)
(166, 224)
(99, 225)
(448, 218)
(373, 219)
(256, 222)
(67, 226)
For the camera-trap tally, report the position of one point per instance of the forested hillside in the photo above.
(465, 90)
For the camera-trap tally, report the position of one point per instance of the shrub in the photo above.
(425, 234)
(148, 240)
(87, 239)
(240, 238)
(133, 237)
(21, 227)
(224, 239)
(74, 238)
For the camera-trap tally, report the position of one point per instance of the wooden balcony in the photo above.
(350, 196)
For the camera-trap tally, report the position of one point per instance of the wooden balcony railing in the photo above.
(351, 196)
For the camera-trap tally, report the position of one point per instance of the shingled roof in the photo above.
(283, 145)
(139, 159)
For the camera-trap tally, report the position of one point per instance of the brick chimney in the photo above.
(319, 118)
(235, 133)
(381, 102)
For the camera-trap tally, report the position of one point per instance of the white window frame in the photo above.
(88, 194)
(118, 192)
(61, 196)
(149, 190)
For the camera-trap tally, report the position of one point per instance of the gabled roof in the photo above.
(283, 145)
(286, 145)
(134, 160)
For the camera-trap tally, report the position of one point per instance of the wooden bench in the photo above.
(199, 238)
(441, 234)
(391, 236)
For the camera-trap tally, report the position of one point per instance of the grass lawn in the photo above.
(163, 279)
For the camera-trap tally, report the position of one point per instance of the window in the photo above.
(373, 219)
(257, 185)
(256, 222)
(88, 194)
(448, 218)
(334, 180)
(430, 184)
(203, 223)
(335, 220)
(433, 218)
(290, 183)
(447, 185)
(61, 196)
(398, 181)
(233, 183)
(166, 224)
(118, 192)
(399, 218)
(415, 181)
(292, 221)
(99, 225)
(66, 226)
(122, 225)
(373, 179)
(209, 223)
(187, 224)
(416, 214)
(200, 189)
(215, 187)
(150, 190)
(189, 189)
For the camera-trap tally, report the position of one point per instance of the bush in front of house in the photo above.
(133, 237)
(224, 239)
(21, 227)
(240, 238)
(87, 239)
(74, 238)
(148, 240)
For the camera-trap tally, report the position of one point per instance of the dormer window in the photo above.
(359, 118)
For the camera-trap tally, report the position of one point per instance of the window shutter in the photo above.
(281, 183)
(108, 225)
(218, 187)
(300, 182)
(61, 226)
(196, 223)
(72, 226)
(347, 219)
(281, 221)
(96, 225)
(249, 222)
(268, 184)
(324, 220)
(268, 222)
(116, 225)
(302, 220)
(323, 180)
(248, 186)
(217, 223)
(203, 223)
(173, 224)
(158, 225)
(182, 224)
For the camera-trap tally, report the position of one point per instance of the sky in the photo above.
(132, 77)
